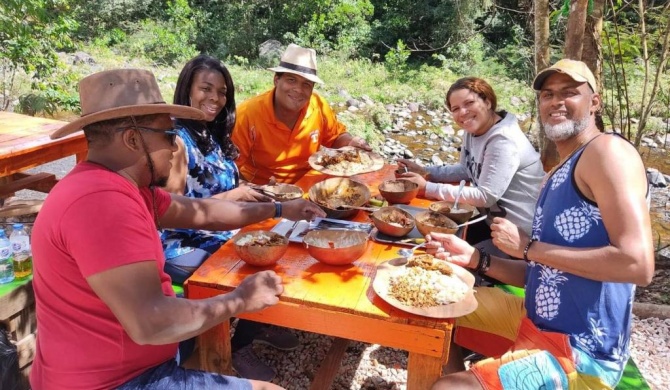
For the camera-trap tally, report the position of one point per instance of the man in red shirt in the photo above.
(277, 131)
(106, 313)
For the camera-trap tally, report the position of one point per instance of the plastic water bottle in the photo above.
(23, 257)
(6, 259)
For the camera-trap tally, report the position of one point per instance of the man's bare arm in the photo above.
(133, 293)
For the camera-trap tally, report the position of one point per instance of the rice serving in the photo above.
(418, 287)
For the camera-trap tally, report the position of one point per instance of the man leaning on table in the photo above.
(589, 246)
(107, 315)
(277, 131)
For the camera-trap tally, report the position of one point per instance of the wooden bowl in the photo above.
(253, 252)
(336, 247)
(462, 215)
(398, 190)
(393, 221)
(283, 192)
(431, 222)
(328, 194)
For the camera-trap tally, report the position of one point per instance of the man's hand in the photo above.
(415, 178)
(453, 249)
(259, 291)
(412, 166)
(299, 209)
(508, 237)
(360, 143)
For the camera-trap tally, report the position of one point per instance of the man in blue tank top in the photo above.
(590, 245)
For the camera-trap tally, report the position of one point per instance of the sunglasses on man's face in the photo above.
(170, 134)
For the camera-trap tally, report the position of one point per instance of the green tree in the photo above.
(31, 31)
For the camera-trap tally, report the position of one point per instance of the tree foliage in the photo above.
(31, 31)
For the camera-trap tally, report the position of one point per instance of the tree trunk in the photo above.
(574, 34)
(548, 153)
(592, 53)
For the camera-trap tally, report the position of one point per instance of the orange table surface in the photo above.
(25, 142)
(333, 300)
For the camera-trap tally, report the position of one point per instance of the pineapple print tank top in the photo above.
(596, 315)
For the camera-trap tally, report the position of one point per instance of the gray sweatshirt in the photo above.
(504, 170)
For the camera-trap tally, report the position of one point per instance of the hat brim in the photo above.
(542, 76)
(311, 77)
(176, 111)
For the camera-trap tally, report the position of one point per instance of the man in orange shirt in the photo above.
(277, 131)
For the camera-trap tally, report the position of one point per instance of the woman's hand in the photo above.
(415, 178)
(412, 166)
(453, 249)
(508, 237)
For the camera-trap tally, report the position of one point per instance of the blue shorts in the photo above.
(171, 376)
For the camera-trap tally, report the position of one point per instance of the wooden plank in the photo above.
(26, 350)
(16, 300)
(425, 340)
(38, 182)
(330, 365)
(214, 349)
(22, 324)
(422, 371)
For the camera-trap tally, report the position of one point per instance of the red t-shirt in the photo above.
(92, 221)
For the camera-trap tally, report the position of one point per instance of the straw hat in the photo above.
(577, 70)
(298, 60)
(121, 93)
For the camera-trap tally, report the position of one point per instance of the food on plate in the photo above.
(261, 240)
(346, 161)
(426, 282)
(346, 196)
(396, 217)
(429, 263)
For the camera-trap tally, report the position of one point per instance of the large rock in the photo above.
(656, 178)
(269, 53)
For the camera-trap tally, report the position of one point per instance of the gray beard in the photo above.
(565, 130)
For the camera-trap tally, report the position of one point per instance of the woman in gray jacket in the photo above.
(503, 168)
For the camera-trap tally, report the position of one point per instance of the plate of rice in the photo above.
(426, 286)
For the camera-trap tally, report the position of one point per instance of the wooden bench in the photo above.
(17, 317)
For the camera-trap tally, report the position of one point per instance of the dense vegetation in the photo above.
(389, 50)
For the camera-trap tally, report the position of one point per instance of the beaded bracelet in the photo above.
(527, 248)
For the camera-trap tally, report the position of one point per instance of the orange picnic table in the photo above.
(25, 144)
(331, 300)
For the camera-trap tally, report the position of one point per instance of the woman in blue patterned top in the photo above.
(203, 166)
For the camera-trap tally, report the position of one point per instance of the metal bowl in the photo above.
(258, 254)
(326, 193)
(398, 190)
(430, 222)
(336, 247)
(393, 221)
(283, 192)
(462, 215)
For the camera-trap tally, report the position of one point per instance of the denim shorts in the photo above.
(171, 376)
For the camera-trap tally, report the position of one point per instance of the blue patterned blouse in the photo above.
(208, 175)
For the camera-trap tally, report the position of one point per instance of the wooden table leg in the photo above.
(422, 371)
(215, 352)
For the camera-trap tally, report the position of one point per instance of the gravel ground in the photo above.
(368, 366)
